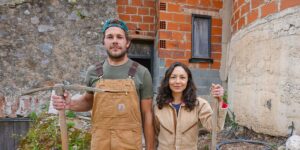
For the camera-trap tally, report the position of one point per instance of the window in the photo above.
(201, 30)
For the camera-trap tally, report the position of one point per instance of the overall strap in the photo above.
(99, 68)
(133, 68)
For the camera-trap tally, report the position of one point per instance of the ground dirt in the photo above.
(257, 141)
(230, 133)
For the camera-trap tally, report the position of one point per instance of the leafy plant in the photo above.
(44, 134)
(225, 97)
(70, 114)
(80, 14)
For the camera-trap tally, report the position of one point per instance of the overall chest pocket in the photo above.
(115, 105)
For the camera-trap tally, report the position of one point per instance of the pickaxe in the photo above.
(59, 90)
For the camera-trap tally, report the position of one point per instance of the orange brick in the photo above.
(124, 17)
(237, 15)
(131, 10)
(185, 27)
(179, 55)
(143, 11)
(172, 26)
(218, 4)
(148, 19)
(151, 34)
(188, 36)
(232, 21)
(188, 45)
(149, 3)
(177, 35)
(289, 3)
(152, 12)
(256, 3)
(184, 61)
(164, 53)
(122, 2)
(135, 18)
(172, 44)
(216, 39)
(165, 34)
(168, 62)
(205, 3)
(182, 45)
(144, 27)
(252, 16)
(188, 19)
(173, 7)
(216, 22)
(152, 27)
(241, 23)
(235, 6)
(216, 31)
(179, 18)
(216, 56)
(165, 16)
(136, 3)
(131, 26)
(240, 3)
(215, 65)
(192, 2)
(245, 9)
(121, 9)
(269, 8)
(216, 47)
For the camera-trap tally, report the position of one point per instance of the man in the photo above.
(118, 114)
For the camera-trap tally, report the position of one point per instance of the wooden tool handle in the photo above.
(214, 123)
(62, 121)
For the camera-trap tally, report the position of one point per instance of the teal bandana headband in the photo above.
(115, 23)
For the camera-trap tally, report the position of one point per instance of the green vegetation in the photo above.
(44, 134)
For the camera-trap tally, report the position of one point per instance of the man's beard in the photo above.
(116, 56)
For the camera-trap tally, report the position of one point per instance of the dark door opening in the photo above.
(141, 51)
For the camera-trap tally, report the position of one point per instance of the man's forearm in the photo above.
(149, 130)
(82, 103)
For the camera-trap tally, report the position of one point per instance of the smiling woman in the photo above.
(179, 111)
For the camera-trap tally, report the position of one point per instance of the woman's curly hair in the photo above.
(165, 96)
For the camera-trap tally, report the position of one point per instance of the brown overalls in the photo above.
(116, 116)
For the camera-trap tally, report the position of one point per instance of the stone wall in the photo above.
(264, 73)
(44, 42)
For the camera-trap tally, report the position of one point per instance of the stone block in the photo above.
(293, 143)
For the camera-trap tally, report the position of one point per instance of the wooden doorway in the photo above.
(141, 51)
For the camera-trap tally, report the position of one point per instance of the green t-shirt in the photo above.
(142, 78)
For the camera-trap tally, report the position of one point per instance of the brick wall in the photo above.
(247, 11)
(139, 16)
(175, 30)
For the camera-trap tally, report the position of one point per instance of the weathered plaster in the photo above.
(264, 73)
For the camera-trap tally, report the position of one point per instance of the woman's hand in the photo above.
(217, 91)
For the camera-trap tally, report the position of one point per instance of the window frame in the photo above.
(197, 58)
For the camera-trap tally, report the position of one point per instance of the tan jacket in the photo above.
(181, 133)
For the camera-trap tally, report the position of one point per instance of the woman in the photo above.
(179, 112)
